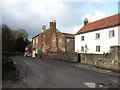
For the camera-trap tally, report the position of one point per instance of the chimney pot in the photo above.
(43, 28)
(85, 21)
(53, 24)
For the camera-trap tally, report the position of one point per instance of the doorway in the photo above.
(79, 57)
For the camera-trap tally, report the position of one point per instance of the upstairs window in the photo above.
(82, 38)
(111, 33)
(97, 35)
(36, 40)
(33, 41)
(97, 48)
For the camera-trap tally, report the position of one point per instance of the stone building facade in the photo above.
(70, 42)
(52, 40)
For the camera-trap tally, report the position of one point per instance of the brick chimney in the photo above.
(43, 28)
(53, 24)
(85, 21)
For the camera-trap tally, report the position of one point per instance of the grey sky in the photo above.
(32, 14)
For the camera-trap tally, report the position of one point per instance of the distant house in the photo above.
(97, 37)
(52, 40)
(28, 49)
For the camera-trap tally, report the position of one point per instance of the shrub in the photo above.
(39, 52)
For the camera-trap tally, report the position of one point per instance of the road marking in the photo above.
(95, 85)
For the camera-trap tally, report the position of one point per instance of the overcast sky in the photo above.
(69, 14)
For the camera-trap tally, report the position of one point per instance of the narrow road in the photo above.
(48, 73)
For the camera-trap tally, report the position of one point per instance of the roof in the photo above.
(35, 36)
(101, 24)
(69, 35)
(29, 45)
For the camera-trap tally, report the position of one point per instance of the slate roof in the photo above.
(101, 24)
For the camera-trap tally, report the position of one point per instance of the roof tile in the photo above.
(112, 20)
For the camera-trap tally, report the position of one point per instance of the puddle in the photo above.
(95, 85)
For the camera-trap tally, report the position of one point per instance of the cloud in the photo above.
(31, 14)
(95, 16)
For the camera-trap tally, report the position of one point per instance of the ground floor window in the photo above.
(97, 48)
(82, 49)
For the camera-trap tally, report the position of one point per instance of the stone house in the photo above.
(97, 37)
(52, 40)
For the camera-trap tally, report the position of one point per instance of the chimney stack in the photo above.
(85, 21)
(43, 28)
(53, 24)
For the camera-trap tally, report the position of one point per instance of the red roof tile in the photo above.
(69, 35)
(112, 20)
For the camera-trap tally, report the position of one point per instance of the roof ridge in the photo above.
(104, 22)
(104, 18)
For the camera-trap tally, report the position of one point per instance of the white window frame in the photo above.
(36, 40)
(111, 33)
(82, 48)
(82, 38)
(33, 41)
(97, 48)
(97, 36)
(60, 40)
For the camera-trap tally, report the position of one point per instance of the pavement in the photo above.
(97, 69)
(93, 68)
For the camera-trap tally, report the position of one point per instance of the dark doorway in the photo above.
(79, 57)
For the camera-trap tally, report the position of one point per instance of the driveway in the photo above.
(48, 73)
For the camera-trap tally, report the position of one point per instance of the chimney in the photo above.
(85, 21)
(43, 28)
(53, 24)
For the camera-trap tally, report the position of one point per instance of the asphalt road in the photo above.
(48, 73)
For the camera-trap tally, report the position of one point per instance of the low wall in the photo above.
(108, 61)
(72, 57)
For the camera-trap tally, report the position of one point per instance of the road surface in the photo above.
(48, 73)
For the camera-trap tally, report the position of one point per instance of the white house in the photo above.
(97, 37)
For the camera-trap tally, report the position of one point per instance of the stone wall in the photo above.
(70, 44)
(108, 61)
(66, 56)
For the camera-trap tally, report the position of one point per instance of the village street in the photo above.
(48, 73)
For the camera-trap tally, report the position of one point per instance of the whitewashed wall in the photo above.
(104, 42)
(119, 35)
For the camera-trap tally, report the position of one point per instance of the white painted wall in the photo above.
(104, 42)
(119, 35)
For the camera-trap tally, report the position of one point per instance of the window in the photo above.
(33, 42)
(68, 40)
(111, 33)
(60, 40)
(97, 48)
(82, 38)
(82, 49)
(36, 40)
(97, 35)
(54, 39)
